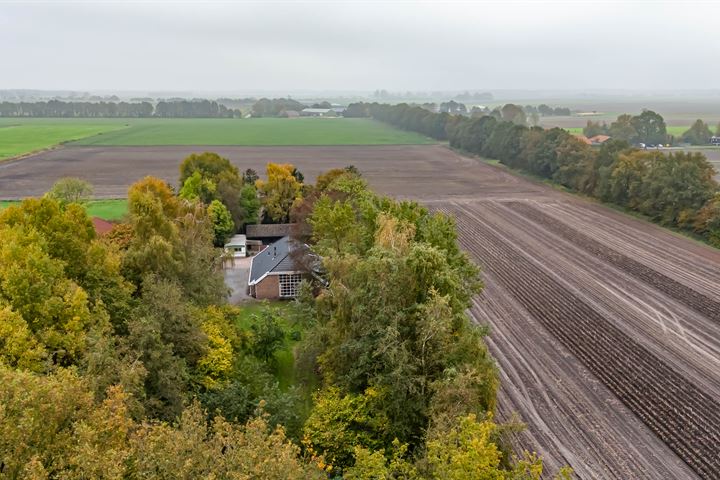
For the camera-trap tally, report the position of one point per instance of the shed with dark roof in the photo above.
(268, 232)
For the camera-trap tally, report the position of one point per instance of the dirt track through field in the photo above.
(606, 329)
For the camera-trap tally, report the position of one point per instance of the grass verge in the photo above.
(112, 210)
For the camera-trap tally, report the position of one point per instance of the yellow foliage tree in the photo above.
(280, 191)
(18, 346)
(468, 451)
(54, 308)
(393, 234)
(216, 365)
(50, 427)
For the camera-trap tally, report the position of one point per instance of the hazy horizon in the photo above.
(358, 47)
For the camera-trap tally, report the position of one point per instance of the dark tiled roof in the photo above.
(275, 257)
(286, 265)
(268, 230)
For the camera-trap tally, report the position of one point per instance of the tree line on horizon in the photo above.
(676, 189)
(632, 129)
(163, 109)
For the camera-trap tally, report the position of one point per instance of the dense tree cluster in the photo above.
(676, 189)
(194, 109)
(547, 111)
(108, 344)
(266, 107)
(119, 357)
(401, 368)
(232, 199)
(647, 128)
(698, 134)
(453, 107)
(165, 108)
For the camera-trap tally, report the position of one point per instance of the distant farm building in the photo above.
(278, 269)
(599, 139)
(583, 139)
(596, 140)
(318, 112)
(289, 114)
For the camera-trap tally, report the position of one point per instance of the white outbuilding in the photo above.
(237, 246)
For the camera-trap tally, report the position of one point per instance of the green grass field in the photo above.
(107, 209)
(20, 136)
(256, 132)
(677, 131)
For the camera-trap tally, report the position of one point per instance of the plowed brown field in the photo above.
(606, 328)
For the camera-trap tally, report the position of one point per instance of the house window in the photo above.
(289, 283)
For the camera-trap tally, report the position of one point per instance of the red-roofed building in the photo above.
(583, 139)
(101, 226)
(598, 139)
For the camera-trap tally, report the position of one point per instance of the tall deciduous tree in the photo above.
(71, 190)
(698, 134)
(650, 127)
(280, 191)
(513, 113)
(623, 129)
(222, 222)
(468, 451)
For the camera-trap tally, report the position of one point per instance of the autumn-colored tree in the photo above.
(174, 240)
(36, 419)
(38, 297)
(157, 189)
(69, 237)
(280, 191)
(50, 427)
(378, 465)
(338, 423)
(707, 221)
(468, 451)
(325, 179)
(19, 347)
(215, 367)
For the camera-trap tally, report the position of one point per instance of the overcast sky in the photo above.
(358, 46)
